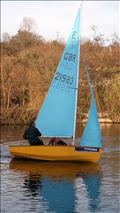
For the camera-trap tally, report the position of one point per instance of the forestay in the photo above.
(56, 116)
(91, 136)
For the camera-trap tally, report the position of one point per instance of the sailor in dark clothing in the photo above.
(31, 134)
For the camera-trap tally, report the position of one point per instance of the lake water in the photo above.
(43, 187)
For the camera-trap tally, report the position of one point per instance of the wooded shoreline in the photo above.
(25, 118)
(28, 65)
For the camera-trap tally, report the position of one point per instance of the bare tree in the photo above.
(28, 24)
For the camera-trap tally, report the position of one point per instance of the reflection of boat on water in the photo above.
(56, 169)
(61, 185)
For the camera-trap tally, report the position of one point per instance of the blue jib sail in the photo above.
(91, 136)
(56, 116)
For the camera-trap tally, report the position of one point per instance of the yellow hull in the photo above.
(56, 153)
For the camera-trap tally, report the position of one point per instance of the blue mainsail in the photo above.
(91, 136)
(56, 116)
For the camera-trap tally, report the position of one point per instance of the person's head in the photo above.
(32, 123)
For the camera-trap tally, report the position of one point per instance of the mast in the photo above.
(76, 98)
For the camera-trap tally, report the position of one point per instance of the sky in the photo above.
(54, 19)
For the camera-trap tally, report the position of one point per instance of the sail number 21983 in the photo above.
(64, 78)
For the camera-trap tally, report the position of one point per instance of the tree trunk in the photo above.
(3, 89)
(8, 98)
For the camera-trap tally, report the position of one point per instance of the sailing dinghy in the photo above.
(57, 116)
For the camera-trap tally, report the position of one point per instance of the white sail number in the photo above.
(64, 78)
